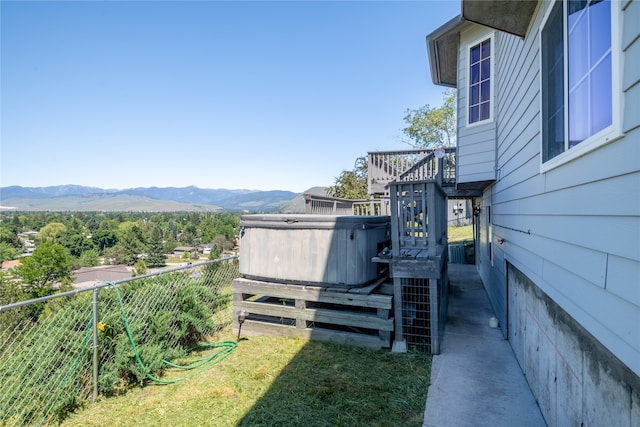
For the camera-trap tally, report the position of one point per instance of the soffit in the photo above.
(442, 47)
(510, 16)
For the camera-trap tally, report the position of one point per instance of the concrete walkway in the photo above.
(476, 380)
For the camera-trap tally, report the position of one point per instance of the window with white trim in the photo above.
(480, 65)
(577, 71)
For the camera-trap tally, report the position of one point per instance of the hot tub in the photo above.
(312, 249)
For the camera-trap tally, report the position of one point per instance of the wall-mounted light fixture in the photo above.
(476, 210)
(242, 316)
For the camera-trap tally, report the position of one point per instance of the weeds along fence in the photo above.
(59, 352)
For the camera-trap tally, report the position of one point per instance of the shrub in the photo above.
(45, 371)
(165, 321)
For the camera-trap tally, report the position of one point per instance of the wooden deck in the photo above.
(357, 316)
(412, 187)
(385, 167)
(410, 310)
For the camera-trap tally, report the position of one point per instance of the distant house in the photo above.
(459, 212)
(89, 276)
(549, 130)
(180, 251)
(28, 235)
(27, 239)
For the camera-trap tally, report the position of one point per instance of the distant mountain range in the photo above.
(80, 198)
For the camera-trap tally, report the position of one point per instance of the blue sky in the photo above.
(257, 95)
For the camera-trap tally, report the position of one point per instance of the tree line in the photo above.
(69, 240)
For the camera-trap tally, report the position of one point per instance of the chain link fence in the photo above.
(58, 353)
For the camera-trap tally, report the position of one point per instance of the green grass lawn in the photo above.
(271, 381)
(460, 234)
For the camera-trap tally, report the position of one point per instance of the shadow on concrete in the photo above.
(476, 380)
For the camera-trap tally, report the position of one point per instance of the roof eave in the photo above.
(442, 47)
(509, 16)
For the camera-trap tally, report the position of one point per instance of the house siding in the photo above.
(631, 71)
(476, 143)
(564, 271)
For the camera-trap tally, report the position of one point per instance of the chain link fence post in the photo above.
(55, 362)
(94, 326)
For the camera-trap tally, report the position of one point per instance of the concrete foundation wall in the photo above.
(576, 380)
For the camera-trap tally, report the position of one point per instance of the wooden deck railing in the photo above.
(408, 165)
(418, 216)
(375, 207)
(385, 167)
(327, 205)
(418, 263)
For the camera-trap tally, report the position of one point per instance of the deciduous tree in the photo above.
(50, 232)
(429, 127)
(7, 252)
(12, 291)
(140, 268)
(76, 241)
(352, 184)
(104, 238)
(50, 263)
(90, 258)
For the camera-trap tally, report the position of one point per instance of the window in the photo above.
(480, 83)
(578, 106)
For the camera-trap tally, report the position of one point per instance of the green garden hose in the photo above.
(226, 348)
(74, 365)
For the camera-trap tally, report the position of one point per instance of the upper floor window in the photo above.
(578, 106)
(480, 82)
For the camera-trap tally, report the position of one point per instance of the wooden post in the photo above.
(300, 306)
(433, 220)
(308, 204)
(397, 308)
(370, 173)
(410, 225)
(385, 336)
(396, 217)
(425, 207)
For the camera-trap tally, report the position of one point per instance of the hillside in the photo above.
(297, 204)
(103, 203)
(153, 199)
